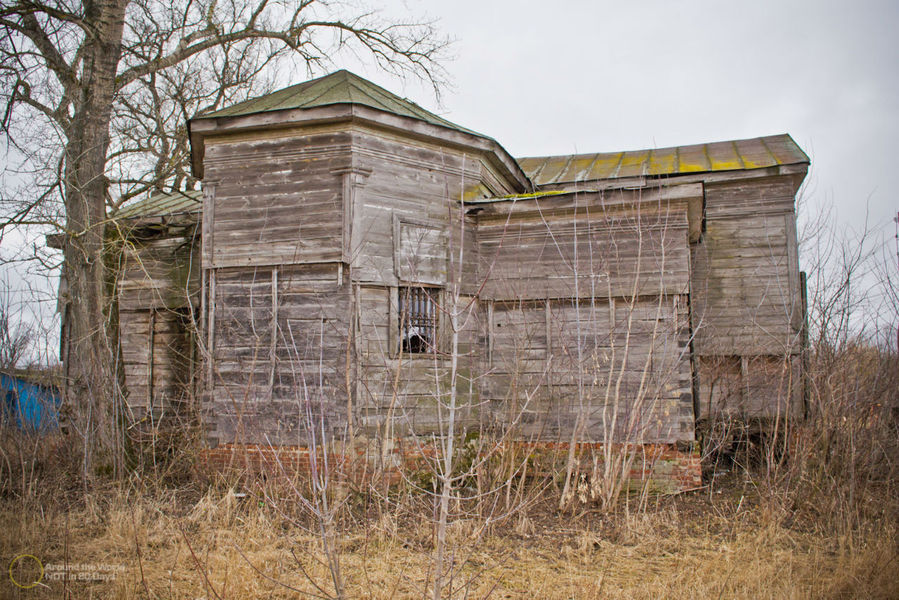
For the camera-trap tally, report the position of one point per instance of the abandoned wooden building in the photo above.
(353, 258)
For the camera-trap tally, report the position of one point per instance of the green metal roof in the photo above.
(736, 155)
(163, 204)
(341, 87)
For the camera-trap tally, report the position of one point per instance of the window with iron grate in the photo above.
(418, 320)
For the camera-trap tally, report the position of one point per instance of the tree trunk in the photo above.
(92, 392)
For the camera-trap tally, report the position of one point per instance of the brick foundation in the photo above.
(666, 468)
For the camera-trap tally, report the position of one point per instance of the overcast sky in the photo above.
(564, 77)
(545, 77)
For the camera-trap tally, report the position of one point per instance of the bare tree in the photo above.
(15, 338)
(113, 81)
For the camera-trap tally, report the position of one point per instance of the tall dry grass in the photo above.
(814, 514)
(220, 545)
(750, 536)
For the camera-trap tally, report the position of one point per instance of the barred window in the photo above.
(418, 320)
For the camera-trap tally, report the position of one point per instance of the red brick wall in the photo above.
(666, 467)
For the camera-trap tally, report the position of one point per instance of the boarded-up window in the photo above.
(420, 252)
(418, 320)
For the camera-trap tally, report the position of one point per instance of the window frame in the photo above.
(431, 295)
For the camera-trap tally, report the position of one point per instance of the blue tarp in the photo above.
(28, 405)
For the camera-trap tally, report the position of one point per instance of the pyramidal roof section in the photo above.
(340, 87)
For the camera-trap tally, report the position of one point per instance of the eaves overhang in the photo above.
(201, 128)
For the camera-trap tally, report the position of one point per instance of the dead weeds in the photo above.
(128, 544)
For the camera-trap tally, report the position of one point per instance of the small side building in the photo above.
(30, 401)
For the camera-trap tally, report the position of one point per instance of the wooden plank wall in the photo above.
(157, 347)
(158, 291)
(749, 387)
(396, 204)
(621, 367)
(160, 269)
(412, 188)
(279, 351)
(279, 305)
(746, 300)
(406, 388)
(134, 332)
(277, 200)
(407, 230)
(578, 306)
(537, 253)
(616, 358)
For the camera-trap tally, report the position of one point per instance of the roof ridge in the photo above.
(325, 90)
(358, 90)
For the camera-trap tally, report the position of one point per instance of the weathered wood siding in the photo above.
(405, 389)
(618, 369)
(589, 325)
(749, 387)
(582, 314)
(274, 199)
(746, 299)
(158, 292)
(278, 339)
(279, 305)
(589, 250)
(405, 214)
(160, 269)
(159, 360)
(408, 229)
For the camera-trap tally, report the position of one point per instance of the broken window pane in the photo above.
(418, 320)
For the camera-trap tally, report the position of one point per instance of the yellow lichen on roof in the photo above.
(736, 155)
(511, 197)
(632, 164)
(662, 161)
(579, 167)
(605, 165)
(693, 159)
(554, 167)
(724, 157)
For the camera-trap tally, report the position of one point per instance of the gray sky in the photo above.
(545, 77)
(564, 77)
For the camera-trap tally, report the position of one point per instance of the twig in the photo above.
(199, 565)
(140, 562)
(275, 581)
(309, 577)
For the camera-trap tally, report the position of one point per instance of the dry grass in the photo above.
(221, 546)
(817, 517)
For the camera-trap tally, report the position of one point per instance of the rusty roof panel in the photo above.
(737, 155)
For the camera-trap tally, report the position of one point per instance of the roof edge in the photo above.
(671, 190)
(201, 127)
(779, 150)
